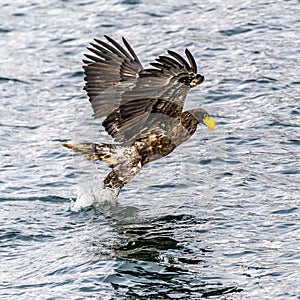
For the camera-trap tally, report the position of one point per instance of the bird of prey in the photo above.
(142, 107)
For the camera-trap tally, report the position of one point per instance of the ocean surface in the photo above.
(218, 218)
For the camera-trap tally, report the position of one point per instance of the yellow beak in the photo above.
(209, 122)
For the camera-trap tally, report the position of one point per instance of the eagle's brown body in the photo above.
(143, 108)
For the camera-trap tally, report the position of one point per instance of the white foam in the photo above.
(87, 196)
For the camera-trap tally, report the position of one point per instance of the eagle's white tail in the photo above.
(96, 151)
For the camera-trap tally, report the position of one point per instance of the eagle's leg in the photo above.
(113, 181)
(122, 173)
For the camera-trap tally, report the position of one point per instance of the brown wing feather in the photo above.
(109, 71)
(137, 101)
(165, 87)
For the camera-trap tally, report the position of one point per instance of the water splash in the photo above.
(93, 197)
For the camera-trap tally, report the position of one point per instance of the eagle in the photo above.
(142, 107)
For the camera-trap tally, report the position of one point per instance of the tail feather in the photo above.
(124, 161)
(94, 151)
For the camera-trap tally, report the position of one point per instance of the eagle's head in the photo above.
(203, 117)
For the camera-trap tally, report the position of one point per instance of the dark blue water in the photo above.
(219, 218)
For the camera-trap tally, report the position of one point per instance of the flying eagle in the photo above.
(142, 107)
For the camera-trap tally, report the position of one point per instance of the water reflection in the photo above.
(155, 262)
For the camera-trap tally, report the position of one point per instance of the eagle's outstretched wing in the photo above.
(137, 101)
(109, 71)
